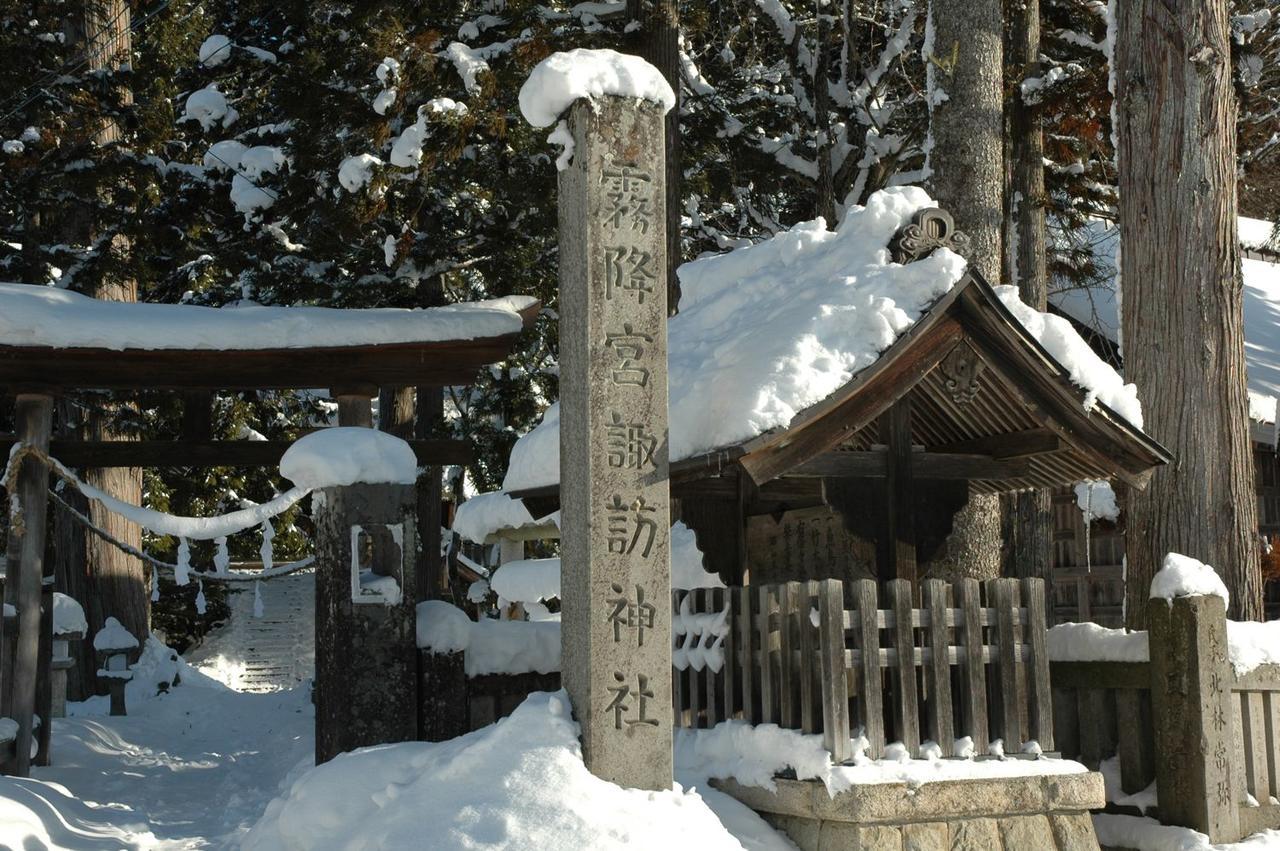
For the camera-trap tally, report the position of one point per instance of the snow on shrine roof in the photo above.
(1096, 308)
(768, 331)
(38, 316)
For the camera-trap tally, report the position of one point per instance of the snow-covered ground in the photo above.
(190, 769)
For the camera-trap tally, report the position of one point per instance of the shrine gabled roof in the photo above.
(983, 387)
(787, 349)
(53, 340)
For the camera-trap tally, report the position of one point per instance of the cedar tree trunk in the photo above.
(1182, 319)
(967, 179)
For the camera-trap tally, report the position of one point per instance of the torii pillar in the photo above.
(24, 581)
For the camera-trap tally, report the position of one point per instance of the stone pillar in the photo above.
(616, 582)
(366, 638)
(1194, 722)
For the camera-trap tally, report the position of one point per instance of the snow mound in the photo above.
(68, 616)
(527, 580)
(442, 627)
(518, 784)
(747, 354)
(43, 815)
(562, 78)
(1182, 576)
(1089, 642)
(487, 513)
(334, 457)
(492, 647)
(113, 636)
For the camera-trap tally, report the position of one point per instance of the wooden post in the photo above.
(33, 414)
(354, 408)
(835, 692)
(443, 705)
(1191, 701)
(897, 551)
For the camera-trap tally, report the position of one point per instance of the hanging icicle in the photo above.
(183, 566)
(221, 558)
(201, 604)
(268, 534)
(257, 599)
(155, 584)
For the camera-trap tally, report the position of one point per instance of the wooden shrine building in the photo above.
(866, 482)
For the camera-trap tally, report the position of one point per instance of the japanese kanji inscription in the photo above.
(616, 620)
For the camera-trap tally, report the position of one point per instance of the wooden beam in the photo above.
(446, 363)
(197, 415)
(212, 453)
(1018, 444)
(926, 465)
(899, 543)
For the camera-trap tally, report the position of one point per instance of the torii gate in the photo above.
(59, 342)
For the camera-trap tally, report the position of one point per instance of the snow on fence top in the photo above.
(68, 616)
(768, 330)
(1182, 576)
(113, 636)
(1096, 308)
(491, 646)
(40, 316)
(336, 457)
(563, 78)
(536, 580)
(488, 513)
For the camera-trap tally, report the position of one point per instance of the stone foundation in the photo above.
(1009, 814)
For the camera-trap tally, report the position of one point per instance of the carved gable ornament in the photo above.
(960, 371)
(930, 228)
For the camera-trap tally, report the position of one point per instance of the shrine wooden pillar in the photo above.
(25, 579)
(896, 546)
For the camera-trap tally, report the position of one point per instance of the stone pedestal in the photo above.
(58, 667)
(1044, 813)
(1194, 719)
(613, 441)
(366, 644)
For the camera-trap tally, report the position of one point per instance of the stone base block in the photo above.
(1049, 813)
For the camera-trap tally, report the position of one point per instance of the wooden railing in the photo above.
(1103, 710)
(824, 657)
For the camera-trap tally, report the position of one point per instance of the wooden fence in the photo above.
(825, 657)
(1209, 737)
